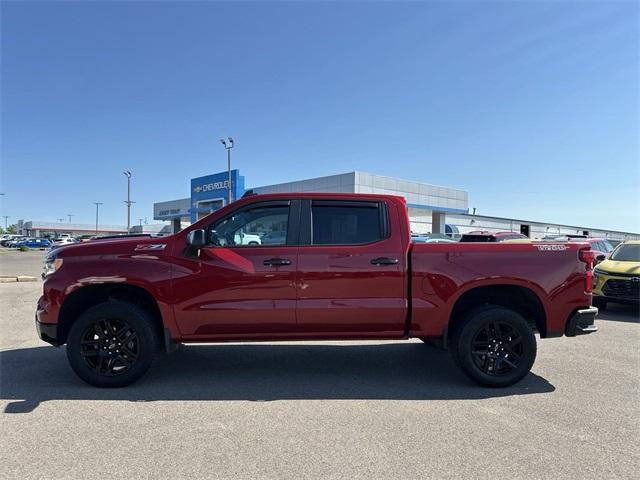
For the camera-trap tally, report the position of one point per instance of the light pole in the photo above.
(97, 204)
(228, 148)
(70, 215)
(128, 202)
(61, 220)
(5, 221)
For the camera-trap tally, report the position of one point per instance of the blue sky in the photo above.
(531, 107)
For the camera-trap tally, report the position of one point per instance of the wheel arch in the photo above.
(87, 296)
(519, 298)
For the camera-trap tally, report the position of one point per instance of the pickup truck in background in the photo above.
(346, 269)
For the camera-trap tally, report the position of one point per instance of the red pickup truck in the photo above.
(311, 267)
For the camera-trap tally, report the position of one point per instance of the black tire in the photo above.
(600, 303)
(494, 346)
(119, 357)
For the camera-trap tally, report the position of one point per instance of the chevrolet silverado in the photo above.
(342, 266)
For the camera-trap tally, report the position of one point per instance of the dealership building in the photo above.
(432, 208)
(41, 228)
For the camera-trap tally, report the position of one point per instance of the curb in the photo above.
(17, 278)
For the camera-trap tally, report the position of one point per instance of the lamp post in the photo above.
(5, 221)
(97, 204)
(128, 202)
(228, 148)
(70, 215)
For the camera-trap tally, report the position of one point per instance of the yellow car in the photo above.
(617, 279)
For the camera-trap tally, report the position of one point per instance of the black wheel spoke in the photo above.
(98, 330)
(512, 354)
(509, 362)
(497, 348)
(127, 336)
(125, 360)
(110, 347)
(121, 331)
(497, 363)
(129, 353)
(513, 342)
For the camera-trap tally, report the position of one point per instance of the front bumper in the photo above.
(582, 322)
(48, 332)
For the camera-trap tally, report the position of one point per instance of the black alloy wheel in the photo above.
(112, 344)
(494, 346)
(497, 348)
(110, 347)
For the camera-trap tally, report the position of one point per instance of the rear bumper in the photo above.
(582, 322)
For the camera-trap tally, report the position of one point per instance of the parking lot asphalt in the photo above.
(14, 262)
(319, 410)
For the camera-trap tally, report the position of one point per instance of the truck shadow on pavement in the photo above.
(616, 312)
(259, 372)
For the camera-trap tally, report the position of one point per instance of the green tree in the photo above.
(12, 229)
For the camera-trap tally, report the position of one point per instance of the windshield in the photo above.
(627, 253)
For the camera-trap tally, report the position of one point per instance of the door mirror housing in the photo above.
(601, 258)
(196, 238)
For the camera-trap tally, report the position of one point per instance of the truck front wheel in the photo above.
(111, 344)
(494, 346)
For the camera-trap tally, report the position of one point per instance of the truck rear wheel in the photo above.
(494, 346)
(111, 344)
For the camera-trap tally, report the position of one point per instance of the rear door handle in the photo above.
(385, 261)
(277, 262)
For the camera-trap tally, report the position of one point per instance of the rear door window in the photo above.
(346, 223)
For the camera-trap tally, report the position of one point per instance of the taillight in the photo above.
(588, 257)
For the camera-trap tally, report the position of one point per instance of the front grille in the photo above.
(622, 289)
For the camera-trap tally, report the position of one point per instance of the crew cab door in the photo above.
(238, 285)
(351, 269)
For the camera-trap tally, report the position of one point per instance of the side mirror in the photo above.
(196, 238)
(601, 258)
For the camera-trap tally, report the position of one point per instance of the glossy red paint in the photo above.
(228, 293)
(341, 292)
(442, 273)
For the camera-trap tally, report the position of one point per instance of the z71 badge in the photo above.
(552, 248)
(155, 246)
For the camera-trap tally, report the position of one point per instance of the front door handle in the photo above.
(277, 262)
(385, 261)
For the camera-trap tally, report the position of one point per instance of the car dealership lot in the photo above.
(321, 409)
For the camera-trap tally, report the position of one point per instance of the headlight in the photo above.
(51, 265)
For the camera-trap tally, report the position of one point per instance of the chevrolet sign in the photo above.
(207, 187)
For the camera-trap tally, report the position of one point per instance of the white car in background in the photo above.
(242, 238)
(61, 242)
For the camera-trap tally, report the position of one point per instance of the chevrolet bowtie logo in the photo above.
(198, 189)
